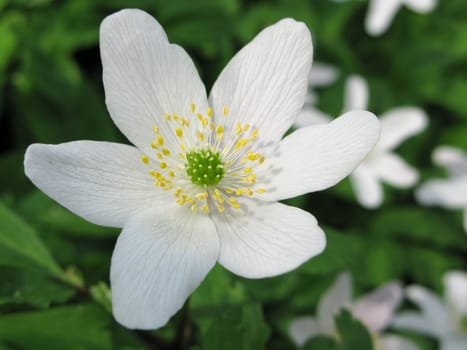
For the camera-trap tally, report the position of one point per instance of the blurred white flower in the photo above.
(382, 164)
(203, 183)
(443, 320)
(375, 310)
(451, 192)
(381, 13)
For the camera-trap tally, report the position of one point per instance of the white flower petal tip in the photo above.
(161, 256)
(455, 291)
(452, 158)
(267, 80)
(103, 182)
(267, 240)
(356, 93)
(421, 6)
(399, 124)
(302, 329)
(322, 74)
(367, 187)
(376, 309)
(319, 156)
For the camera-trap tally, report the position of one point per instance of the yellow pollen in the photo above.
(160, 140)
(179, 132)
(193, 107)
(153, 144)
(205, 208)
(175, 117)
(247, 170)
(166, 152)
(145, 159)
(163, 165)
(219, 129)
(260, 190)
(209, 112)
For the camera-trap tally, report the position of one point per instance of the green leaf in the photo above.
(20, 246)
(32, 288)
(320, 343)
(80, 327)
(237, 328)
(353, 333)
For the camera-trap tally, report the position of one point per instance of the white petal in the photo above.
(414, 321)
(455, 291)
(105, 183)
(267, 240)
(302, 329)
(421, 6)
(399, 124)
(452, 158)
(454, 342)
(380, 15)
(266, 82)
(367, 188)
(322, 74)
(311, 116)
(433, 319)
(393, 170)
(450, 193)
(319, 156)
(395, 342)
(145, 76)
(376, 309)
(356, 93)
(160, 258)
(336, 298)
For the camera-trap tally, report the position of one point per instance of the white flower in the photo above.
(381, 12)
(381, 164)
(444, 321)
(203, 181)
(375, 310)
(451, 192)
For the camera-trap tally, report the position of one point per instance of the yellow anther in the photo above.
(182, 156)
(205, 208)
(234, 203)
(204, 122)
(160, 140)
(239, 191)
(209, 112)
(155, 129)
(219, 129)
(163, 165)
(183, 147)
(159, 155)
(145, 159)
(200, 116)
(251, 179)
(155, 174)
(167, 116)
(247, 170)
(221, 209)
(225, 111)
(153, 144)
(178, 191)
(241, 143)
(260, 190)
(246, 127)
(238, 129)
(171, 173)
(193, 107)
(166, 152)
(200, 136)
(253, 156)
(179, 132)
(229, 190)
(202, 196)
(175, 117)
(254, 135)
(194, 208)
(261, 160)
(249, 191)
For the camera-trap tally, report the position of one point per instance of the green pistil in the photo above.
(204, 167)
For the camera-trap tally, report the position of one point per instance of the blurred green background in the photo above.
(54, 266)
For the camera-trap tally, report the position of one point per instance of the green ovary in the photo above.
(204, 167)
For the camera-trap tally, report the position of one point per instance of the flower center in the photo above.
(204, 167)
